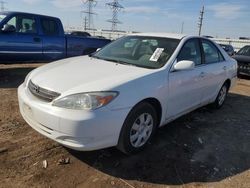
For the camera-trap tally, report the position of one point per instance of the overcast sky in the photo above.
(224, 18)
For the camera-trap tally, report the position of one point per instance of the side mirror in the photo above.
(184, 65)
(8, 28)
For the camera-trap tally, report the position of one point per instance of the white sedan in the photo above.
(121, 94)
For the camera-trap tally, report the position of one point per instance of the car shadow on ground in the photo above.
(13, 77)
(243, 77)
(204, 146)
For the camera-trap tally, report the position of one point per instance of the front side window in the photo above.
(141, 51)
(49, 27)
(211, 53)
(191, 51)
(23, 24)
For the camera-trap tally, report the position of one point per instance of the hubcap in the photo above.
(222, 95)
(141, 130)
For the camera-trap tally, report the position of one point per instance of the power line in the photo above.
(88, 19)
(115, 7)
(200, 22)
(2, 5)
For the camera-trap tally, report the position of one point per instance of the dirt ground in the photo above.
(206, 148)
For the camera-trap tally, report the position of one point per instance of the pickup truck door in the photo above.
(23, 43)
(215, 71)
(185, 87)
(54, 42)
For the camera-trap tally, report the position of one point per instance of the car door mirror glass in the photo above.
(8, 28)
(184, 65)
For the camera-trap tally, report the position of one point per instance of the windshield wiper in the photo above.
(113, 60)
(123, 62)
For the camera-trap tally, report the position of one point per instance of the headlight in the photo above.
(85, 101)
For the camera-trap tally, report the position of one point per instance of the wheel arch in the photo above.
(88, 51)
(157, 106)
(228, 82)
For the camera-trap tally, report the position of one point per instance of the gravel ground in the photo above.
(206, 148)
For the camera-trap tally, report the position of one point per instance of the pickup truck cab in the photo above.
(32, 37)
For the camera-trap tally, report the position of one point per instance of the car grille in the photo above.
(42, 93)
(244, 65)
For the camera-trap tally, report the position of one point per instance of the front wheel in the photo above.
(138, 128)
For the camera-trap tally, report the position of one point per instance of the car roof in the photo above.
(25, 13)
(225, 44)
(164, 35)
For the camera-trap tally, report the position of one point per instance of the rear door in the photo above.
(24, 44)
(54, 43)
(215, 70)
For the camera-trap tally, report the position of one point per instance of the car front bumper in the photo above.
(76, 129)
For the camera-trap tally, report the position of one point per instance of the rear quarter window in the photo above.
(49, 26)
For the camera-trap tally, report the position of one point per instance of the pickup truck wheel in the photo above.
(221, 97)
(88, 51)
(138, 129)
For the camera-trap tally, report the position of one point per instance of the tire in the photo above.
(89, 51)
(138, 129)
(221, 97)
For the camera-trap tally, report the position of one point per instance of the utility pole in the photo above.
(200, 22)
(2, 5)
(85, 23)
(115, 6)
(182, 27)
(88, 21)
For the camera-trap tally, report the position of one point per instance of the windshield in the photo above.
(244, 51)
(141, 51)
(2, 16)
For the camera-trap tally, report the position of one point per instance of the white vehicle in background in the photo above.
(121, 94)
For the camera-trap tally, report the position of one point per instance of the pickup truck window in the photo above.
(49, 27)
(2, 17)
(23, 24)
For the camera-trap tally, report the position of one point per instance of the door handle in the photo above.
(202, 74)
(225, 68)
(37, 39)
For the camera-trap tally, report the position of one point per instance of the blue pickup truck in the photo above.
(37, 38)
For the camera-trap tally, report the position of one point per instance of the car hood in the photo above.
(84, 74)
(242, 58)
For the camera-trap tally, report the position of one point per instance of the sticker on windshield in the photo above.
(156, 55)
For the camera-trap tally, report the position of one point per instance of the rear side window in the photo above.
(49, 26)
(211, 53)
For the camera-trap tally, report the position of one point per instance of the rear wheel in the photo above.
(138, 128)
(88, 51)
(221, 97)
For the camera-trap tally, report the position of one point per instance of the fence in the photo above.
(236, 43)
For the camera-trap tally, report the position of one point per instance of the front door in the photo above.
(24, 44)
(185, 87)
